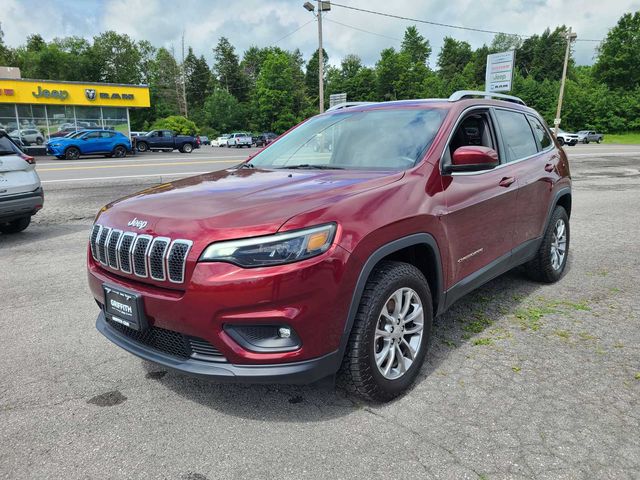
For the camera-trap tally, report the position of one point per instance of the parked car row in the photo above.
(583, 136)
(242, 139)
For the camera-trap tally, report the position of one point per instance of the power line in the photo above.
(362, 30)
(438, 24)
(291, 33)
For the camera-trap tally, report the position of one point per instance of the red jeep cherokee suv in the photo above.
(331, 250)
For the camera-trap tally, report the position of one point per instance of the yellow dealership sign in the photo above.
(72, 93)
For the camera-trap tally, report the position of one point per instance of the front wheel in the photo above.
(143, 147)
(72, 153)
(390, 334)
(39, 141)
(549, 263)
(15, 226)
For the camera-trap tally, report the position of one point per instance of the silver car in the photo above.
(21, 193)
(30, 135)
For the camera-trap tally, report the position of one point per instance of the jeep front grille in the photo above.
(158, 258)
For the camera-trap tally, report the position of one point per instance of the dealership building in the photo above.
(50, 106)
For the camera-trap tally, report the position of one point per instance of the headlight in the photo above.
(273, 249)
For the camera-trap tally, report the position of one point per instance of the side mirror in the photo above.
(472, 158)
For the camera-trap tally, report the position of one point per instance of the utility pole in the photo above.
(320, 59)
(184, 81)
(570, 36)
(323, 6)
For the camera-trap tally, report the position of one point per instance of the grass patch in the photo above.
(516, 368)
(638, 376)
(529, 318)
(479, 324)
(586, 336)
(483, 341)
(449, 343)
(628, 138)
(563, 334)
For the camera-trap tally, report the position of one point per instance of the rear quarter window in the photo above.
(541, 134)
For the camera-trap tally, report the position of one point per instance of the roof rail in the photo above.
(462, 94)
(340, 106)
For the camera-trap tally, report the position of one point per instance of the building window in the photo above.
(33, 123)
(60, 118)
(115, 118)
(8, 120)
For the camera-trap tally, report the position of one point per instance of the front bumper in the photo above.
(16, 206)
(302, 372)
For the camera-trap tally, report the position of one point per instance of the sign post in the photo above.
(499, 73)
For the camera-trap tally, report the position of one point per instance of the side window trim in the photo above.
(493, 127)
(530, 118)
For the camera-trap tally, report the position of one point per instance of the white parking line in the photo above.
(121, 177)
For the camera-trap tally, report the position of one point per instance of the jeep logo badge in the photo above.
(139, 224)
(90, 93)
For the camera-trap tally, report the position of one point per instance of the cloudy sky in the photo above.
(266, 22)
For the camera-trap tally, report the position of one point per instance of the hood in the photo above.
(236, 203)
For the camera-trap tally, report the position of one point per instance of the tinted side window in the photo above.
(517, 135)
(540, 132)
(93, 135)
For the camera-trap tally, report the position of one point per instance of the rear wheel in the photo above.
(72, 153)
(390, 334)
(187, 148)
(561, 141)
(598, 141)
(15, 226)
(549, 263)
(119, 152)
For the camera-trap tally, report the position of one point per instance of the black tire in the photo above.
(561, 141)
(72, 153)
(119, 151)
(15, 226)
(228, 146)
(39, 141)
(142, 146)
(598, 141)
(59, 157)
(540, 268)
(358, 373)
(586, 141)
(187, 148)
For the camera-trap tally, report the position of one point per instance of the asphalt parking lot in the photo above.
(522, 381)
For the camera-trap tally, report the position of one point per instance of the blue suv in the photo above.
(90, 142)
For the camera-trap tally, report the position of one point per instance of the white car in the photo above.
(30, 135)
(240, 140)
(220, 141)
(21, 193)
(566, 138)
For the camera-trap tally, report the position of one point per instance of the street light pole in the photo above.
(571, 36)
(320, 60)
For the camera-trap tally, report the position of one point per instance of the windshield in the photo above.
(374, 139)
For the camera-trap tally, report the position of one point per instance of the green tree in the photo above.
(274, 96)
(226, 68)
(503, 42)
(542, 56)
(118, 58)
(387, 74)
(223, 113)
(179, 124)
(415, 46)
(453, 57)
(198, 80)
(311, 75)
(618, 63)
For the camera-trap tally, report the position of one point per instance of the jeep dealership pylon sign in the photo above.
(499, 73)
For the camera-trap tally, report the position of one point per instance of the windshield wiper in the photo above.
(308, 166)
(246, 165)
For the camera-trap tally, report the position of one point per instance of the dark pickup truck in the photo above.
(165, 140)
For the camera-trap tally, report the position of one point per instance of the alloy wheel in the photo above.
(399, 331)
(558, 244)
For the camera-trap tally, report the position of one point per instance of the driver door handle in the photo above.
(549, 167)
(507, 181)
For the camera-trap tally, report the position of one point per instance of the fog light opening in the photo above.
(284, 332)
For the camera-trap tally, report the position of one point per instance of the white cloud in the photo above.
(256, 22)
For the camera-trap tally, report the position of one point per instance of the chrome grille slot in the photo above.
(93, 241)
(157, 251)
(102, 243)
(158, 258)
(139, 255)
(112, 251)
(176, 259)
(124, 251)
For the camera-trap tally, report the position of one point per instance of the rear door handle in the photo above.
(549, 167)
(507, 181)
